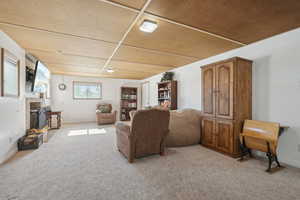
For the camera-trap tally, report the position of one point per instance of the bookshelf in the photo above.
(128, 102)
(167, 92)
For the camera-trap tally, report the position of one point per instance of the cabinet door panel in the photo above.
(208, 132)
(208, 96)
(224, 90)
(224, 135)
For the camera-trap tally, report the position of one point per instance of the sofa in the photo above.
(144, 135)
(185, 128)
(104, 114)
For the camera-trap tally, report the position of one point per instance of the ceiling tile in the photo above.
(67, 60)
(245, 21)
(32, 39)
(137, 67)
(132, 3)
(72, 68)
(88, 18)
(144, 56)
(83, 72)
(179, 40)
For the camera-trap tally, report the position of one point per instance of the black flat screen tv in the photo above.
(41, 81)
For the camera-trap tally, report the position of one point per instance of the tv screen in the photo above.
(41, 79)
(31, 63)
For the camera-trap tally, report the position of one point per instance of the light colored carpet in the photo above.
(88, 166)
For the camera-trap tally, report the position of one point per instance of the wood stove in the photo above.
(38, 115)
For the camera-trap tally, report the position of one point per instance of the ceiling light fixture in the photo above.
(110, 70)
(148, 26)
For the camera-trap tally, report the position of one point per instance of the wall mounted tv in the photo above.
(37, 76)
(41, 81)
(30, 69)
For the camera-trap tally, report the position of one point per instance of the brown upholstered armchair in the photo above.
(144, 135)
(105, 115)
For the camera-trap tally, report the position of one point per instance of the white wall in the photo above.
(276, 86)
(12, 110)
(84, 110)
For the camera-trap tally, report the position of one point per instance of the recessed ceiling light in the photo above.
(148, 26)
(110, 70)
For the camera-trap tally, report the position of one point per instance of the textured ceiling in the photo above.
(242, 20)
(88, 18)
(178, 40)
(79, 37)
(131, 3)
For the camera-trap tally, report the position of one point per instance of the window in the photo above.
(87, 90)
(10, 70)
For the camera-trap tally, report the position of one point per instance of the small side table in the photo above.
(58, 118)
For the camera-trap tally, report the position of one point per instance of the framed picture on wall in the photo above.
(10, 74)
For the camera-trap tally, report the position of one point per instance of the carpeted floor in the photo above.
(82, 162)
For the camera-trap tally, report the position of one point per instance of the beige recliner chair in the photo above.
(144, 135)
(105, 115)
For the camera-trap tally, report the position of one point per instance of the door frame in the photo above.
(142, 92)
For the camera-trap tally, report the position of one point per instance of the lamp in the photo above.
(148, 26)
(110, 70)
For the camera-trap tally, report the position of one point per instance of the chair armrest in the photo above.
(131, 114)
(123, 129)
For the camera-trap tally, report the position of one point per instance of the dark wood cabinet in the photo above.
(224, 135)
(224, 90)
(226, 103)
(208, 133)
(208, 86)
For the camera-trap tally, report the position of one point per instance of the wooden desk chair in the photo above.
(262, 136)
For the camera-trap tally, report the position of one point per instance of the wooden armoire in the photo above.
(226, 103)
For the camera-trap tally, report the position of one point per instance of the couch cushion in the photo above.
(185, 128)
(104, 108)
